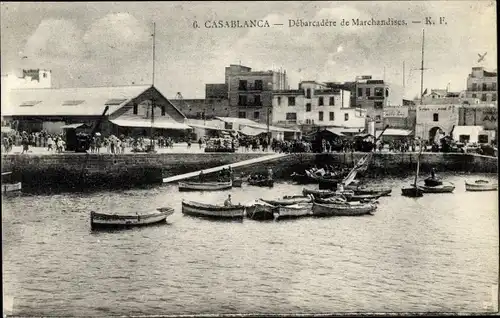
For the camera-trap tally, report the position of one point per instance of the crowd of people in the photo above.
(43, 139)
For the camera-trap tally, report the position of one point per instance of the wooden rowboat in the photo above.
(369, 190)
(103, 220)
(8, 188)
(318, 193)
(294, 211)
(204, 186)
(289, 200)
(445, 187)
(260, 210)
(213, 211)
(343, 209)
(412, 192)
(481, 185)
(261, 183)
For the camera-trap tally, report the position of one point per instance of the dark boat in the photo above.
(433, 182)
(446, 187)
(413, 191)
(301, 178)
(326, 183)
(369, 190)
(261, 183)
(213, 211)
(260, 211)
(204, 186)
(237, 182)
(105, 220)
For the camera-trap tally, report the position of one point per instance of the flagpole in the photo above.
(152, 146)
(422, 70)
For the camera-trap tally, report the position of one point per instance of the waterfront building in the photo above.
(251, 92)
(371, 95)
(130, 109)
(215, 103)
(482, 84)
(315, 106)
(435, 121)
(33, 78)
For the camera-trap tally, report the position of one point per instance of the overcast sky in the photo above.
(96, 44)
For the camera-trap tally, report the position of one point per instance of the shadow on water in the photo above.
(120, 228)
(213, 219)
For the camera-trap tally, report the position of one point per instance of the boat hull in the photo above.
(213, 211)
(289, 200)
(481, 186)
(8, 188)
(318, 193)
(237, 183)
(431, 182)
(294, 211)
(261, 183)
(301, 178)
(320, 209)
(380, 191)
(260, 212)
(446, 187)
(102, 220)
(412, 192)
(204, 186)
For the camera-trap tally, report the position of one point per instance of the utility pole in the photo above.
(152, 144)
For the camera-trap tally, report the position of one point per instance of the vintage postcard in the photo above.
(249, 158)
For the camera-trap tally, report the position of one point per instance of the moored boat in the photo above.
(445, 187)
(289, 200)
(432, 182)
(369, 190)
(301, 178)
(103, 220)
(349, 197)
(343, 209)
(318, 193)
(481, 185)
(213, 211)
(412, 191)
(237, 182)
(294, 211)
(204, 186)
(260, 210)
(261, 183)
(8, 186)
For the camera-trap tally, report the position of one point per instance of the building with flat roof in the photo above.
(482, 84)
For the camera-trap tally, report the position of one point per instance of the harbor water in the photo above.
(435, 253)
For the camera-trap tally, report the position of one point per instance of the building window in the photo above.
(387, 92)
(379, 91)
(483, 97)
(243, 85)
(346, 116)
(291, 116)
(309, 122)
(308, 93)
(360, 92)
(163, 109)
(320, 101)
(368, 92)
(291, 101)
(242, 115)
(493, 97)
(474, 95)
(258, 85)
(464, 138)
(482, 139)
(474, 86)
(279, 100)
(378, 118)
(435, 117)
(378, 105)
(332, 101)
(485, 87)
(256, 115)
(332, 116)
(493, 86)
(320, 116)
(256, 100)
(242, 100)
(308, 107)
(44, 75)
(135, 109)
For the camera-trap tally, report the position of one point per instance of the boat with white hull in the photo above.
(102, 220)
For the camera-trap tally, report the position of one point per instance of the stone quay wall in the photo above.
(57, 172)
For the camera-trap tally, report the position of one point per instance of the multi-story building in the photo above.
(435, 121)
(315, 105)
(215, 103)
(371, 95)
(482, 84)
(36, 78)
(251, 92)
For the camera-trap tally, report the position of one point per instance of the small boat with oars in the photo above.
(8, 185)
(343, 209)
(289, 200)
(444, 187)
(369, 190)
(293, 211)
(107, 220)
(349, 197)
(481, 185)
(260, 210)
(205, 186)
(213, 211)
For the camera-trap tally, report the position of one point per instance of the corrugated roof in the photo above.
(88, 101)
(142, 123)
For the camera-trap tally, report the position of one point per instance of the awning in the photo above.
(335, 131)
(250, 131)
(147, 124)
(208, 127)
(72, 126)
(394, 132)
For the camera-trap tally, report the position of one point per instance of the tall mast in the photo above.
(153, 83)
(422, 69)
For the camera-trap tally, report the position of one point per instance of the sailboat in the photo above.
(413, 191)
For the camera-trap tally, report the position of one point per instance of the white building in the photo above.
(315, 104)
(37, 78)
